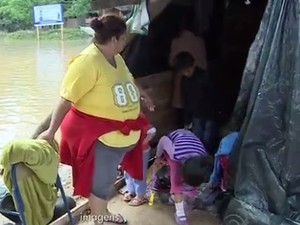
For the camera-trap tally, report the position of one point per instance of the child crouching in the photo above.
(136, 189)
(189, 165)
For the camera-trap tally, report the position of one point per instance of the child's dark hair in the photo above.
(182, 61)
(197, 170)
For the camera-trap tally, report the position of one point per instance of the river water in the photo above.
(30, 76)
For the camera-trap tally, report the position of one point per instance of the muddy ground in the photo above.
(154, 215)
(142, 215)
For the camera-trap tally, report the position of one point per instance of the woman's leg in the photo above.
(107, 160)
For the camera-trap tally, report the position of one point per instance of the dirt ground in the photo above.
(149, 215)
(154, 215)
(145, 215)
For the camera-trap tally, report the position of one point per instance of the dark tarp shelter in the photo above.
(266, 157)
(150, 54)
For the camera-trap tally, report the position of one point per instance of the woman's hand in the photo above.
(147, 101)
(47, 135)
(55, 120)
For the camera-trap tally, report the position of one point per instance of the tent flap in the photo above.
(267, 181)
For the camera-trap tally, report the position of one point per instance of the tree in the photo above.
(78, 8)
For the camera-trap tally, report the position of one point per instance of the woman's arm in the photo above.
(79, 79)
(42, 127)
(58, 115)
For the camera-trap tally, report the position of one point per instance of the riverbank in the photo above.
(52, 34)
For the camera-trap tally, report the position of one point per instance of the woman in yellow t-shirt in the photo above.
(98, 88)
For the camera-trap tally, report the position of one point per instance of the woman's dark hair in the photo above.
(108, 27)
(182, 61)
(197, 170)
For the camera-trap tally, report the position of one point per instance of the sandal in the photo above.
(128, 197)
(117, 219)
(138, 201)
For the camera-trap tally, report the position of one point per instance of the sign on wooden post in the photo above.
(48, 15)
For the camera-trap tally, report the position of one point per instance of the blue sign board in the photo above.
(46, 15)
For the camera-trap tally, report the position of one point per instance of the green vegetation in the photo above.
(53, 34)
(17, 14)
(77, 8)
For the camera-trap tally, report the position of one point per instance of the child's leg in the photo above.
(177, 191)
(141, 185)
(130, 193)
(175, 178)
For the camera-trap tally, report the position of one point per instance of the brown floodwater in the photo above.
(30, 76)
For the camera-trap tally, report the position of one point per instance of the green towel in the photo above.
(36, 174)
(138, 20)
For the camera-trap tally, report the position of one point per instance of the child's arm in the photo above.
(164, 145)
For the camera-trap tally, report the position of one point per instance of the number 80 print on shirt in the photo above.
(125, 94)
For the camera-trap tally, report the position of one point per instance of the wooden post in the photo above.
(62, 31)
(38, 33)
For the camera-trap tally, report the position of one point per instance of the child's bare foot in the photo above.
(137, 201)
(128, 196)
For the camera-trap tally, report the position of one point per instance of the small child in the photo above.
(136, 189)
(198, 94)
(189, 165)
(219, 176)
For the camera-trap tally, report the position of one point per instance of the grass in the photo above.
(53, 34)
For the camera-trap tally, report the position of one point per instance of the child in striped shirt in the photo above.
(136, 189)
(189, 164)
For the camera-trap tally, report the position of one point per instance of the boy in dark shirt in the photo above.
(198, 98)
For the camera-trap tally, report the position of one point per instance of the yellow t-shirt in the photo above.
(97, 88)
